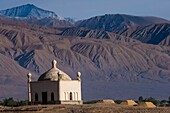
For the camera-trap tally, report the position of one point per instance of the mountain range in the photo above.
(120, 56)
(29, 11)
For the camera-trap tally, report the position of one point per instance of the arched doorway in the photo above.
(36, 97)
(52, 96)
(71, 96)
(44, 97)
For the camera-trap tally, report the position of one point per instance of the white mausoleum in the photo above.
(54, 87)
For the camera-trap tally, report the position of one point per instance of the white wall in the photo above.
(65, 87)
(44, 86)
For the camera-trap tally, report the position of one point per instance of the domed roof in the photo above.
(54, 74)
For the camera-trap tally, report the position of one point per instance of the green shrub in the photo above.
(23, 103)
(164, 103)
(10, 102)
(13, 103)
(118, 101)
(90, 102)
(140, 99)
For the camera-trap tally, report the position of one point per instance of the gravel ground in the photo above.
(87, 108)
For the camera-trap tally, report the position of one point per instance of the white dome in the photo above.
(53, 74)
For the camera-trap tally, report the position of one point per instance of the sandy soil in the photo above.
(88, 108)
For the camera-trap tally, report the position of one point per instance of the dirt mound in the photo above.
(147, 104)
(129, 103)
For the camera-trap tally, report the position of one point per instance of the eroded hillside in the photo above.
(110, 61)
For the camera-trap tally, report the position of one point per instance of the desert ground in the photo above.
(86, 108)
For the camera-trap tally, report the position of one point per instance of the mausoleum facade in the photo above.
(54, 87)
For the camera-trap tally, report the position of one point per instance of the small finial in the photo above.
(78, 76)
(54, 62)
(29, 75)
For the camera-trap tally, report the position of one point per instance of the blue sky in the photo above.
(82, 9)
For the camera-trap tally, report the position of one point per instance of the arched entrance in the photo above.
(36, 97)
(44, 97)
(52, 96)
(71, 96)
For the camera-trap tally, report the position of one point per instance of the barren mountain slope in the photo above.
(95, 34)
(49, 22)
(150, 30)
(118, 22)
(153, 34)
(112, 64)
(12, 79)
